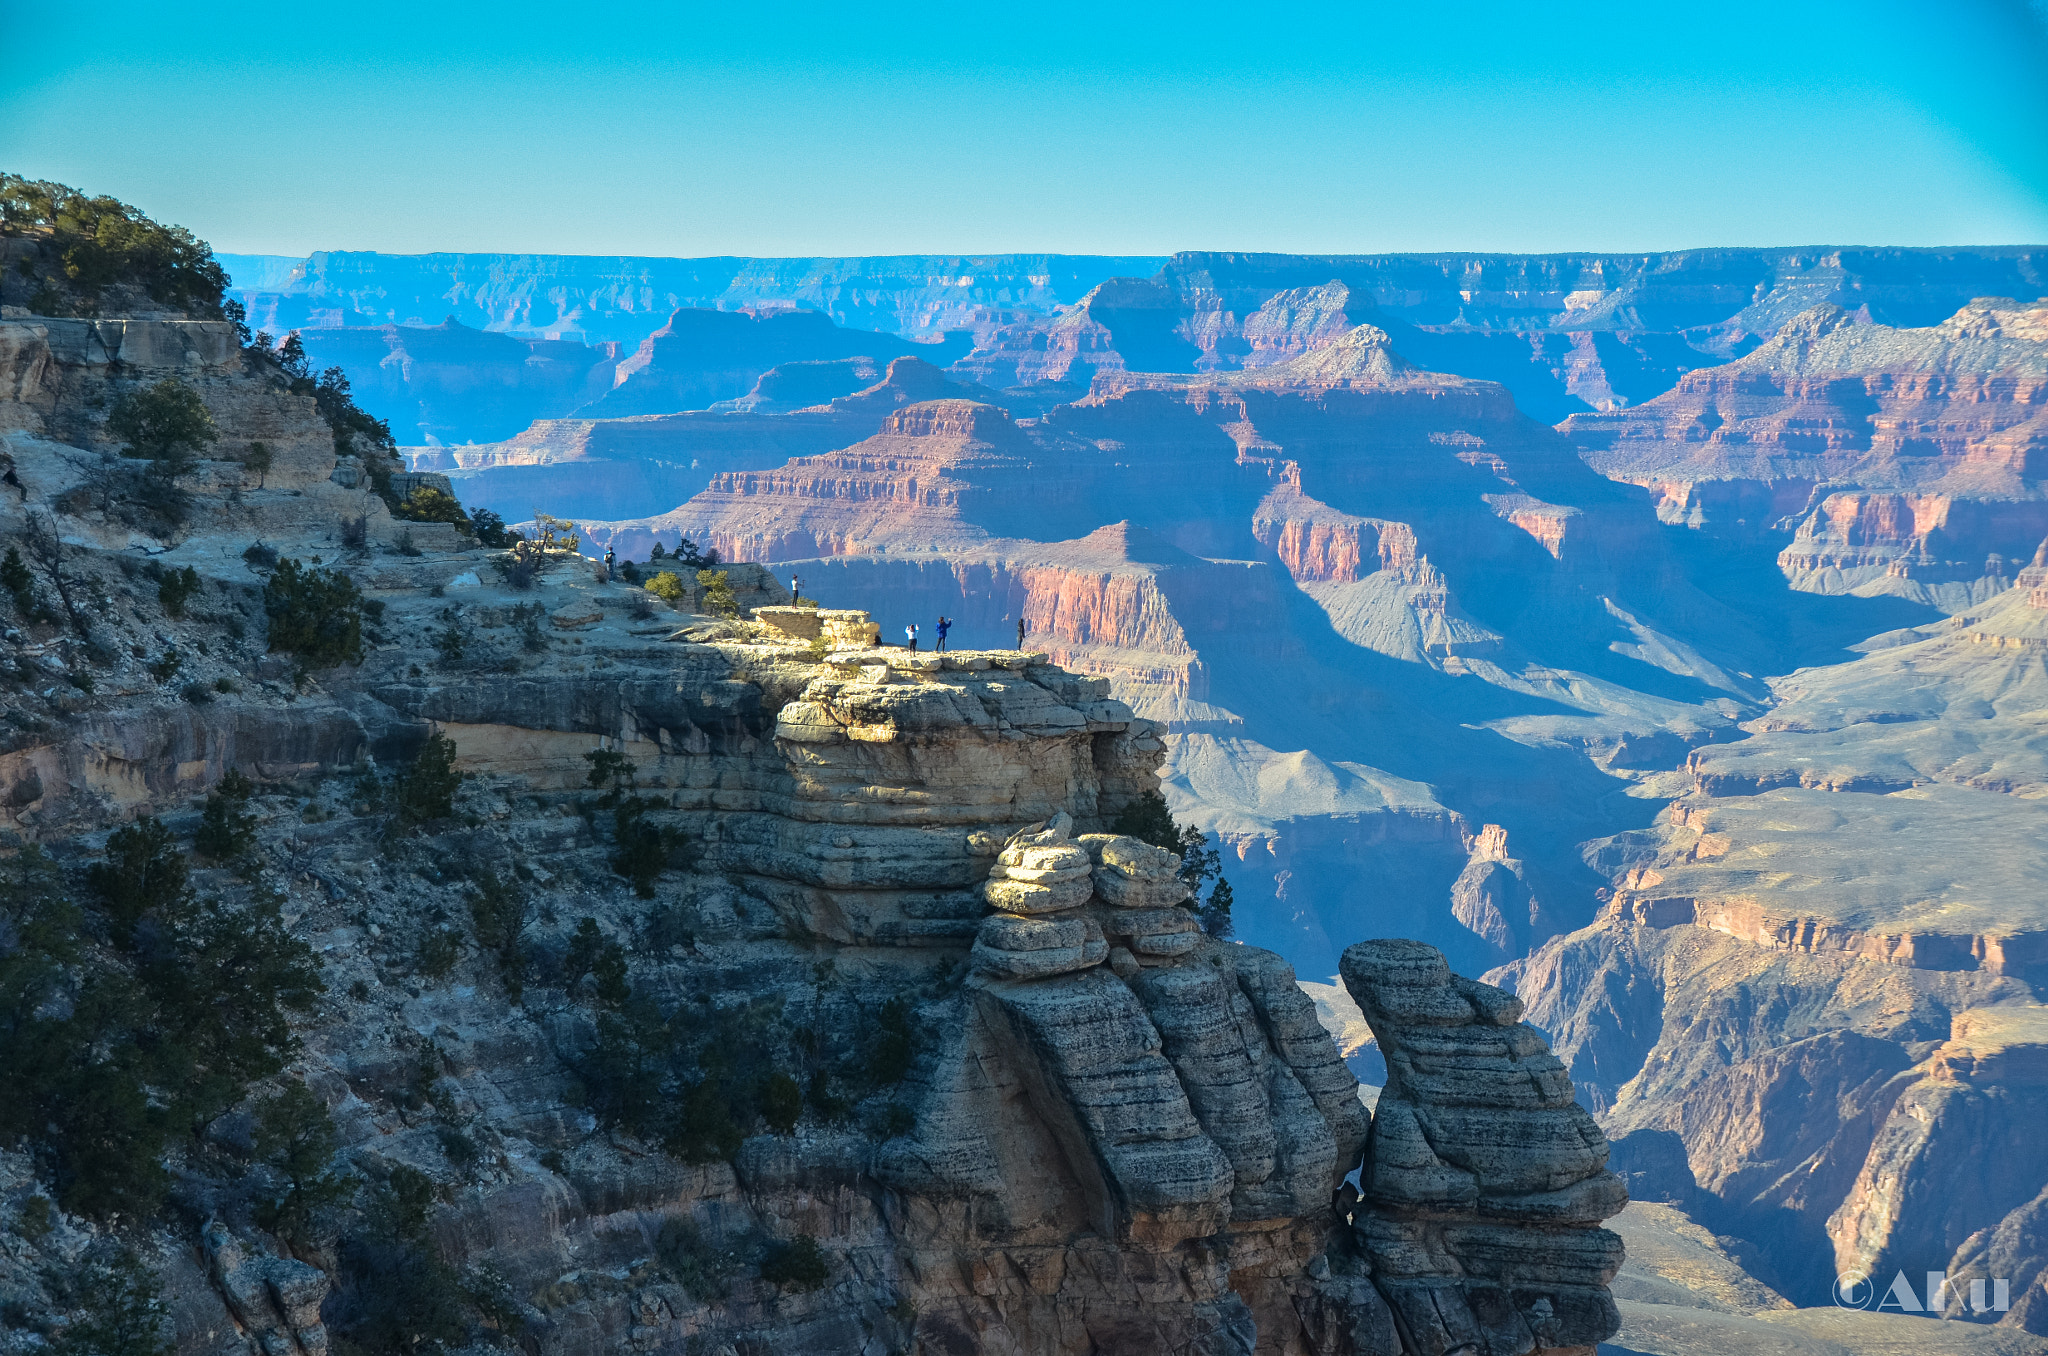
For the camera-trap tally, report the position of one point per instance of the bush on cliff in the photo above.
(1148, 820)
(426, 791)
(426, 504)
(116, 1048)
(315, 615)
(166, 423)
(798, 1264)
(718, 596)
(668, 586)
(94, 243)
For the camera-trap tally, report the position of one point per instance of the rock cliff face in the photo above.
(1837, 913)
(1039, 1110)
(611, 468)
(454, 384)
(701, 357)
(1907, 461)
(598, 299)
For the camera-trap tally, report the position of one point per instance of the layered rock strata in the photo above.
(1477, 1150)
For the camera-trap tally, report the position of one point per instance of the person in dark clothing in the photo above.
(796, 588)
(609, 557)
(910, 634)
(1020, 633)
(945, 625)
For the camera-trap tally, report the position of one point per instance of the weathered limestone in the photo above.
(1484, 1181)
(1039, 872)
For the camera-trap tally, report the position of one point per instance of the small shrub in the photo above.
(225, 685)
(718, 596)
(355, 532)
(692, 1261)
(196, 692)
(426, 791)
(36, 1220)
(261, 556)
(174, 588)
(166, 423)
(19, 583)
(798, 1264)
(166, 665)
(124, 1311)
(629, 572)
(592, 955)
(667, 586)
(453, 647)
(257, 460)
(782, 1103)
(315, 614)
(225, 832)
(405, 544)
(489, 529)
(439, 949)
(499, 912)
(296, 1140)
(428, 504)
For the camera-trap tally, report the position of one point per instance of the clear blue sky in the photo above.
(1097, 128)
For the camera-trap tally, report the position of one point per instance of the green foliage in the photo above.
(258, 461)
(489, 529)
(1148, 820)
(144, 875)
(226, 832)
(499, 912)
(36, 1219)
(19, 583)
(718, 596)
(165, 666)
(426, 791)
(401, 1295)
(112, 1052)
(439, 949)
(893, 1046)
(667, 586)
(295, 1140)
(782, 1103)
(689, 557)
(315, 615)
(426, 504)
(1215, 911)
(166, 423)
(174, 588)
(798, 1264)
(693, 1261)
(452, 646)
(124, 1311)
(357, 433)
(644, 849)
(557, 534)
(591, 955)
(528, 616)
(97, 242)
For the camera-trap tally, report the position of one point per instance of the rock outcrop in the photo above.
(1907, 461)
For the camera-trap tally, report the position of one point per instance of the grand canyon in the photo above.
(1471, 804)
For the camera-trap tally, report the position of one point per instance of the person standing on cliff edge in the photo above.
(910, 634)
(609, 557)
(945, 625)
(796, 588)
(1020, 633)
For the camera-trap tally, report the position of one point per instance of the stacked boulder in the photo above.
(1143, 888)
(1041, 881)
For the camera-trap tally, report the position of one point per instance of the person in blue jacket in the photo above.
(945, 625)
